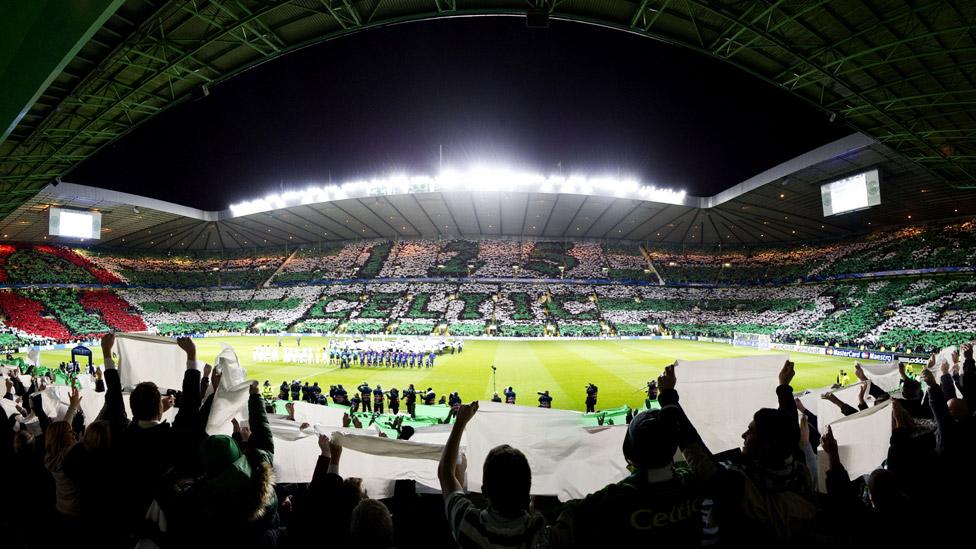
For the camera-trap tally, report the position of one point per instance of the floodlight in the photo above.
(477, 179)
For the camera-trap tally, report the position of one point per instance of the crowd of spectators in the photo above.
(933, 246)
(918, 314)
(186, 306)
(921, 314)
(146, 458)
(245, 268)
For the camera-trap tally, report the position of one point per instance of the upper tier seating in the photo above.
(172, 294)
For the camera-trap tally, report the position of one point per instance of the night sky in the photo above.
(489, 90)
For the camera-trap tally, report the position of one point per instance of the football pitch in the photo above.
(621, 369)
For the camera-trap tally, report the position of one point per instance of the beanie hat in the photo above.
(223, 462)
(651, 441)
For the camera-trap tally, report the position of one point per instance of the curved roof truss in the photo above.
(901, 72)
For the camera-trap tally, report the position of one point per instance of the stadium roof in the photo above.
(902, 73)
(780, 205)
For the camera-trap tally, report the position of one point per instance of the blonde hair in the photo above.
(98, 436)
(55, 435)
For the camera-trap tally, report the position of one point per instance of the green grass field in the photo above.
(621, 369)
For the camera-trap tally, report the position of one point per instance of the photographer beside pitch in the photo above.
(591, 392)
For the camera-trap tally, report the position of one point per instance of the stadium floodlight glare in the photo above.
(478, 179)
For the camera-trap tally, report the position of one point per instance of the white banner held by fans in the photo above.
(297, 451)
(579, 461)
(230, 399)
(294, 460)
(228, 403)
(945, 357)
(720, 396)
(34, 356)
(545, 435)
(886, 376)
(380, 462)
(150, 358)
(9, 407)
(862, 441)
(810, 399)
(601, 450)
(828, 412)
(56, 399)
(85, 381)
(316, 414)
(232, 373)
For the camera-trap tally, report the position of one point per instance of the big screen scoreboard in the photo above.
(852, 193)
(74, 223)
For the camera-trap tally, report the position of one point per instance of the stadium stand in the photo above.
(240, 269)
(944, 246)
(570, 289)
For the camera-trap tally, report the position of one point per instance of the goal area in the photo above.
(746, 339)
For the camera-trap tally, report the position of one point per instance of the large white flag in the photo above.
(230, 399)
(862, 441)
(886, 376)
(828, 412)
(34, 356)
(150, 358)
(721, 395)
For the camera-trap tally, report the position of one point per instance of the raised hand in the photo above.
(325, 445)
(290, 408)
(336, 450)
(186, 343)
(787, 373)
(928, 377)
(207, 369)
(74, 400)
(967, 351)
(346, 420)
(466, 412)
(804, 430)
(829, 443)
(799, 405)
(168, 402)
(108, 341)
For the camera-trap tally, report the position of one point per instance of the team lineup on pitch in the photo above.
(621, 369)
